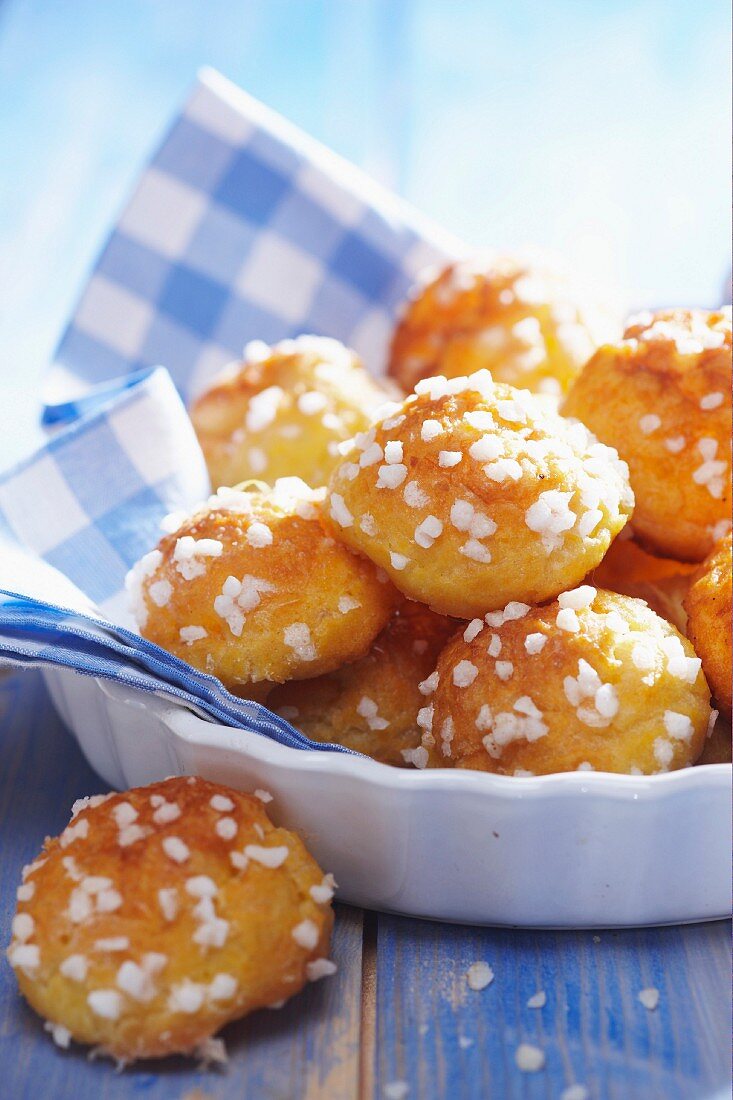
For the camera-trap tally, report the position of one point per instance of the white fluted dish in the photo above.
(575, 850)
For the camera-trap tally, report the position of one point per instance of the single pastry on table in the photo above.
(470, 494)
(251, 588)
(591, 681)
(709, 612)
(662, 398)
(372, 705)
(519, 319)
(283, 410)
(164, 912)
(629, 569)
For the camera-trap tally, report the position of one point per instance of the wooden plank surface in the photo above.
(400, 1010)
(444, 1039)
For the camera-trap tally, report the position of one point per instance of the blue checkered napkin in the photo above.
(90, 501)
(74, 517)
(240, 228)
(37, 634)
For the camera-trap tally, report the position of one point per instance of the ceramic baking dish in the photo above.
(565, 851)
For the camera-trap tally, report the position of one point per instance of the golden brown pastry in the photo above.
(284, 410)
(709, 611)
(471, 494)
(591, 681)
(628, 568)
(164, 912)
(252, 589)
(662, 398)
(517, 318)
(372, 705)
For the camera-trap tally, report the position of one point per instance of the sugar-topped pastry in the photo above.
(591, 681)
(162, 913)
(253, 589)
(662, 398)
(519, 319)
(372, 705)
(662, 582)
(470, 494)
(283, 411)
(709, 612)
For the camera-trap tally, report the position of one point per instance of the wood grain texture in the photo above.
(445, 1040)
(309, 1049)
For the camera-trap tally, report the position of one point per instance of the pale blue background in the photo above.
(598, 128)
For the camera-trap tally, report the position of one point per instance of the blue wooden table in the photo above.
(473, 112)
(399, 1012)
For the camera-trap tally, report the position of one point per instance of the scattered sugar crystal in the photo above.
(567, 620)
(305, 934)
(428, 686)
(678, 726)
(259, 535)
(297, 637)
(268, 857)
(160, 592)
(222, 987)
(191, 634)
(106, 1003)
(393, 452)
(391, 477)
(418, 757)
(262, 408)
(675, 443)
(166, 812)
(168, 902)
(312, 402)
(189, 552)
(399, 561)
(528, 1058)
(534, 643)
(464, 674)
(479, 976)
(226, 828)
(476, 551)
(649, 423)
(473, 629)
(320, 968)
(430, 430)
(414, 496)
(186, 996)
(663, 752)
(550, 516)
(339, 512)
(504, 669)
(649, 998)
(578, 598)
(175, 849)
(447, 459)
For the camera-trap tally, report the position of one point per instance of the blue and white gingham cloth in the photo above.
(240, 228)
